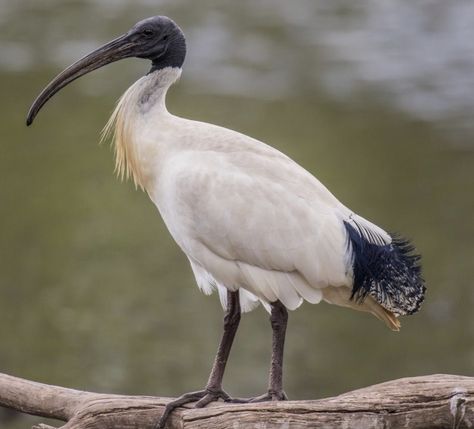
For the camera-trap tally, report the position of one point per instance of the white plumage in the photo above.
(246, 215)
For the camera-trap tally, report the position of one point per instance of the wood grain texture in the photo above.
(435, 401)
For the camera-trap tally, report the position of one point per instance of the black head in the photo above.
(157, 38)
(160, 40)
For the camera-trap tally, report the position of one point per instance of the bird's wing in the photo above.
(250, 217)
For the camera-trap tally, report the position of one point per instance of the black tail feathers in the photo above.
(389, 273)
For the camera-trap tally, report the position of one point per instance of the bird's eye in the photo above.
(147, 32)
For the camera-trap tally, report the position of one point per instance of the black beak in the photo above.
(113, 51)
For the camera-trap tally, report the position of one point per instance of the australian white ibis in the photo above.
(255, 226)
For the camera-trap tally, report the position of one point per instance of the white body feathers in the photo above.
(246, 215)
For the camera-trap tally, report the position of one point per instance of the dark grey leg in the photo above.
(231, 323)
(278, 320)
(213, 390)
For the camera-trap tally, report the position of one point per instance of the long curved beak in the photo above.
(113, 51)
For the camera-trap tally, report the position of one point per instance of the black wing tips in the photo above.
(389, 273)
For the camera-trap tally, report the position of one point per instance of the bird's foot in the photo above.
(201, 397)
(271, 395)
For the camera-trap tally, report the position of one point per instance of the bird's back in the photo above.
(248, 216)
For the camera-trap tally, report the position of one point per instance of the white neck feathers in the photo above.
(146, 96)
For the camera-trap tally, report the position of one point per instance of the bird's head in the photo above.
(157, 39)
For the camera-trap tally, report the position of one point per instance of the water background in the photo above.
(376, 99)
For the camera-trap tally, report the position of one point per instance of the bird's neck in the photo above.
(140, 107)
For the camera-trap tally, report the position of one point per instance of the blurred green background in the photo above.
(375, 100)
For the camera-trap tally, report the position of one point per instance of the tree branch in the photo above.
(436, 401)
(39, 399)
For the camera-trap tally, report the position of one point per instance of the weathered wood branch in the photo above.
(436, 401)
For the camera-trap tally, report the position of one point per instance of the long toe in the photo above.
(212, 396)
(269, 396)
(178, 402)
(201, 397)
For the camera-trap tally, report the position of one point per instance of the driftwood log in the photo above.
(435, 401)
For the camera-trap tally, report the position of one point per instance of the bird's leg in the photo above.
(278, 320)
(213, 390)
(231, 323)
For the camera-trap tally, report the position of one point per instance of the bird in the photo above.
(255, 226)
